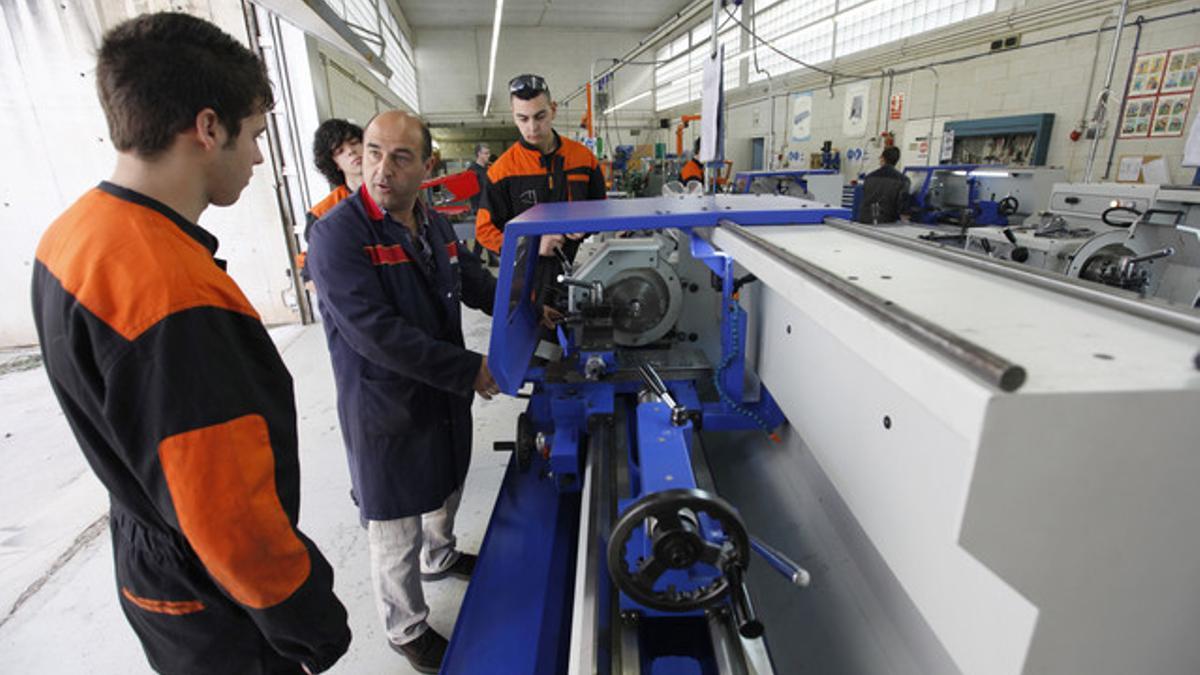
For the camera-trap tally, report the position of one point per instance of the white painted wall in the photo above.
(452, 69)
(1047, 79)
(57, 147)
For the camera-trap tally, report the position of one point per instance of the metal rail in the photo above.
(594, 523)
(1112, 298)
(993, 369)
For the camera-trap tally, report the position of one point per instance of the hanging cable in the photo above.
(789, 57)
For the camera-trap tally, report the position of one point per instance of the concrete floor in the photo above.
(58, 605)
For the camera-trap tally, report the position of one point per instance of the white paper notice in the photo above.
(1155, 171)
(802, 105)
(1191, 149)
(712, 124)
(1130, 169)
(854, 116)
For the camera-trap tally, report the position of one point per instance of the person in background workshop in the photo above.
(479, 167)
(391, 277)
(693, 169)
(170, 382)
(541, 167)
(337, 152)
(885, 191)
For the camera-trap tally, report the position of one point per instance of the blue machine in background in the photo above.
(956, 193)
(607, 530)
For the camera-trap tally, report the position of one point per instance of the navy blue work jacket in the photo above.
(394, 327)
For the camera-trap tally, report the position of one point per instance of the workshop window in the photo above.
(881, 21)
(679, 75)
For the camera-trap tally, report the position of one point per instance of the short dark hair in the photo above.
(426, 138)
(696, 149)
(156, 72)
(329, 137)
(481, 146)
(890, 155)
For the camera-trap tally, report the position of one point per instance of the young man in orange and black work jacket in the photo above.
(337, 152)
(173, 388)
(541, 167)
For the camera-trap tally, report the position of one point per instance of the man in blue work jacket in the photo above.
(391, 277)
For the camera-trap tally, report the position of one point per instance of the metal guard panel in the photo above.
(515, 333)
(519, 599)
(667, 212)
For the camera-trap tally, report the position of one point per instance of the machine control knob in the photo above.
(1019, 253)
(594, 367)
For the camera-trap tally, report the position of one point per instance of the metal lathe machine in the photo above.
(763, 439)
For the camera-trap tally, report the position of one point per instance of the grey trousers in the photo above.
(401, 550)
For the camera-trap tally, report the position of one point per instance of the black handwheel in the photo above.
(672, 520)
(1008, 206)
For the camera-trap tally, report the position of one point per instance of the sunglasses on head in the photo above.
(527, 86)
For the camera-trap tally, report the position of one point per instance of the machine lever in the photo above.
(596, 287)
(744, 616)
(782, 564)
(567, 267)
(656, 385)
(1129, 264)
(1153, 255)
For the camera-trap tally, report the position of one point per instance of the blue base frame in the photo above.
(516, 616)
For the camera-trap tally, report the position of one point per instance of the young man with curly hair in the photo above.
(337, 152)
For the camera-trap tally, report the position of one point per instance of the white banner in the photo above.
(802, 105)
(854, 117)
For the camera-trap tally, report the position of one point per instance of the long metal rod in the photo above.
(937, 81)
(993, 369)
(1112, 146)
(727, 649)
(596, 502)
(1112, 298)
(1105, 95)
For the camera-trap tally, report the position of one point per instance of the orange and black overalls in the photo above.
(523, 177)
(185, 411)
(691, 171)
(314, 214)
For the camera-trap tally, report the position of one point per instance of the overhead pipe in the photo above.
(1137, 41)
(1105, 94)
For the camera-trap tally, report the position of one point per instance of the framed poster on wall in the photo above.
(1182, 67)
(1170, 114)
(1135, 118)
(1160, 93)
(1147, 74)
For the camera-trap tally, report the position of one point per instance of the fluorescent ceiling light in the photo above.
(627, 101)
(487, 104)
(991, 174)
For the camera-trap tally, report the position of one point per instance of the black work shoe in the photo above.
(425, 653)
(461, 569)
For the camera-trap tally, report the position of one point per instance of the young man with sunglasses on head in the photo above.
(541, 167)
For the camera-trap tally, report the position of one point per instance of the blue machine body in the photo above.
(923, 209)
(516, 616)
(799, 176)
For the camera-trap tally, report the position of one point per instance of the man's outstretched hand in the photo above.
(485, 385)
